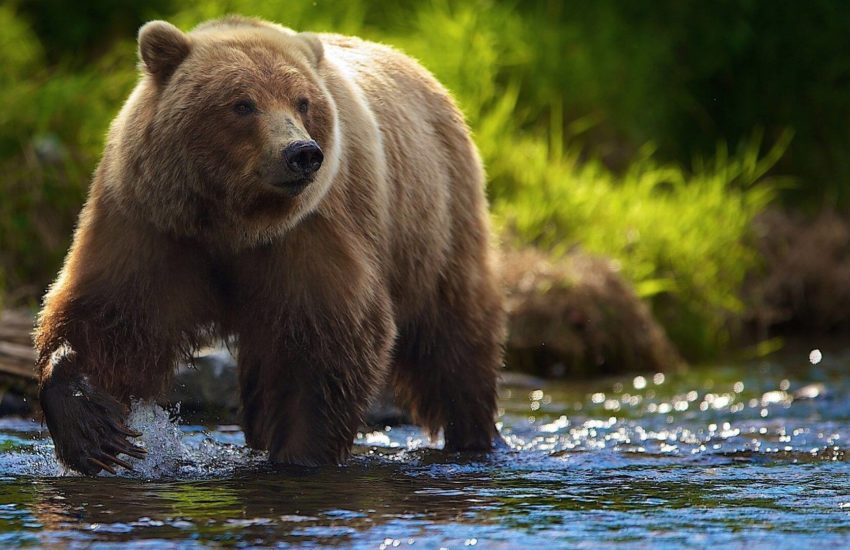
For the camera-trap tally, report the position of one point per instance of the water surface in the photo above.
(752, 454)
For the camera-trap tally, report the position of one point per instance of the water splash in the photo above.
(175, 451)
(160, 438)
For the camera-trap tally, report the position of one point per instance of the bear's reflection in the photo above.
(297, 505)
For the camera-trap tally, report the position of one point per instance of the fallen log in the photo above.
(17, 357)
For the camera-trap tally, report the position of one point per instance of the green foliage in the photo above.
(51, 134)
(74, 32)
(556, 93)
(687, 74)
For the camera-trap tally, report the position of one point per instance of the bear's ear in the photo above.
(313, 47)
(162, 47)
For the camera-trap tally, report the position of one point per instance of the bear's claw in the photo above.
(121, 446)
(121, 428)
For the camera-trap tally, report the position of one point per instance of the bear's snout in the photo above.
(303, 157)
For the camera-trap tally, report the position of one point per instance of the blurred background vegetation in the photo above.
(650, 132)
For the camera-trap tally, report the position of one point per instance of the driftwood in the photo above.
(17, 357)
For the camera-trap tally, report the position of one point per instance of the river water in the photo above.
(752, 453)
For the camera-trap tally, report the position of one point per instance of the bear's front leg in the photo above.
(305, 395)
(113, 325)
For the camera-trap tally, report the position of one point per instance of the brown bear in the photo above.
(315, 198)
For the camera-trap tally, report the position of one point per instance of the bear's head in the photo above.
(231, 133)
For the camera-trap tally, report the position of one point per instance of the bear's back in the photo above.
(433, 175)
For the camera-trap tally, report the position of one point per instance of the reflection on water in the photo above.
(749, 454)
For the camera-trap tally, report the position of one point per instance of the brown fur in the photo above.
(381, 267)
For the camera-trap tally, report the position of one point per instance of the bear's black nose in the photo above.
(303, 157)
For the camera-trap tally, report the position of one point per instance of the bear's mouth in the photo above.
(292, 187)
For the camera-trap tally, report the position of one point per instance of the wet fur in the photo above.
(382, 269)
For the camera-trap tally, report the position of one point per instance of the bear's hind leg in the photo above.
(448, 364)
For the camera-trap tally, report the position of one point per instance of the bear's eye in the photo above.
(245, 107)
(303, 106)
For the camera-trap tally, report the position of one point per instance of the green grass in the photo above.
(680, 234)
